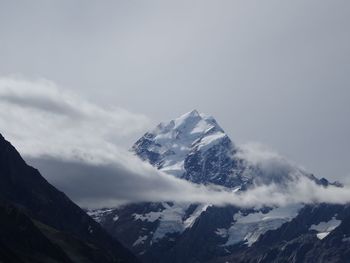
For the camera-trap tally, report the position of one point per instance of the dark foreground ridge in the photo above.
(38, 223)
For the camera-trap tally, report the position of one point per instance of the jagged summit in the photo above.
(192, 146)
(192, 113)
(189, 124)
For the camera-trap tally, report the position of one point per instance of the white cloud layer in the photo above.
(41, 118)
(109, 185)
(76, 145)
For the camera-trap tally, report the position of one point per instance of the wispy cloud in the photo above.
(76, 145)
(109, 185)
(41, 118)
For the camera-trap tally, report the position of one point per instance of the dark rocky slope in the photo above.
(294, 242)
(38, 223)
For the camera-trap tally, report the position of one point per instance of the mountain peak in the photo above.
(170, 144)
(188, 124)
(194, 147)
(192, 113)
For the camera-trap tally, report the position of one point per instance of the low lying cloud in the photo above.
(76, 146)
(97, 186)
(269, 164)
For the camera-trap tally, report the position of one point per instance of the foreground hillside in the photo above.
(38, 223)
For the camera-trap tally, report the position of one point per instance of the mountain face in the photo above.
(38, 223)
(318, 234)
(195, 148)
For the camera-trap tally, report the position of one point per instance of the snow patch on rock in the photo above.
(140, 241)
(171, 219)
(248, 228)
(325, 228)
(99, 214)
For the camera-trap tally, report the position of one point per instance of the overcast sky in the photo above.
(276, 72)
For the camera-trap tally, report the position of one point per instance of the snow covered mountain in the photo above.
(194, 147)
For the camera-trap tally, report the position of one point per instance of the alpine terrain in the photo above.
(195, 148)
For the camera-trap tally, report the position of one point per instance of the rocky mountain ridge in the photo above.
(195, 148)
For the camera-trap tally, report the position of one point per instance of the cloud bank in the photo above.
(77, 147)
(41, 118)
(95, 186)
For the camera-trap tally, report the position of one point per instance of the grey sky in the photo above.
(277, 72)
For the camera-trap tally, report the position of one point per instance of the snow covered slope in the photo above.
(195, 148)
(171, 145)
